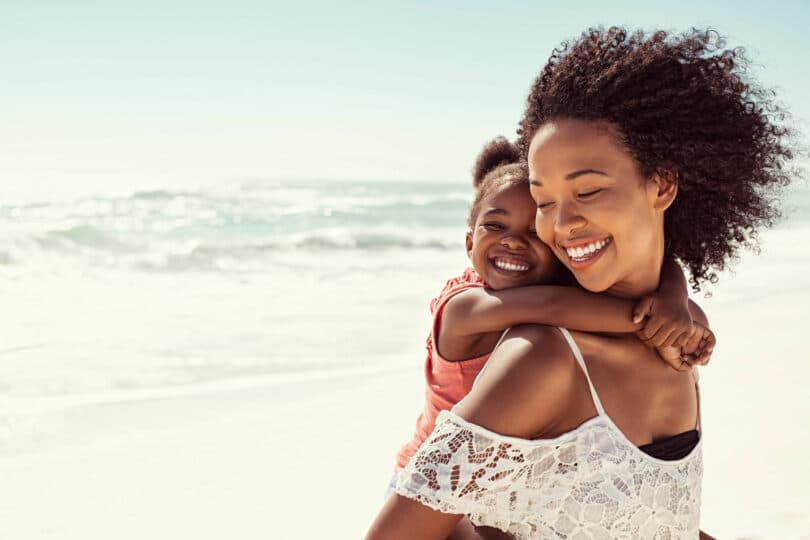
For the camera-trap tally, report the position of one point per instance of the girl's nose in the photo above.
(514, 241)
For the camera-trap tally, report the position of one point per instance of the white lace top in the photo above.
(589, 483)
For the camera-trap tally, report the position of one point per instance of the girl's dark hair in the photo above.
(498, 165)
(682, 104)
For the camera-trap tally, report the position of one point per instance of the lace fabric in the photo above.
(590, 483)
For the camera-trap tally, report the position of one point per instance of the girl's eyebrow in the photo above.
(571, 176)
(496, 211)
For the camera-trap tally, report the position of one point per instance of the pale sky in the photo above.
(131, 92)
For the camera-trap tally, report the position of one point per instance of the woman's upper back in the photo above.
(640, 393)
(534, 387)
(584, 475)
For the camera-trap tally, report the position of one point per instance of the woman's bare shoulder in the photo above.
(530, 380)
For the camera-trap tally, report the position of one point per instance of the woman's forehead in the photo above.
(566, 148)
(564, 134)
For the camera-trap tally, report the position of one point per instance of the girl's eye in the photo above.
(493, 226)
(588, 193)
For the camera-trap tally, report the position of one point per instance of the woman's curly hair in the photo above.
(499, 164)
(681, 103)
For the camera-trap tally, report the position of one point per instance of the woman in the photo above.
(639, 147)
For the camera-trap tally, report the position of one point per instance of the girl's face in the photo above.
(600, 216)
(503, 246)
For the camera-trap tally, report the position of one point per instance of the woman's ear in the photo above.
(663, 188)
(469, 243)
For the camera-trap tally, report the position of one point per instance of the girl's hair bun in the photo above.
(497, 152)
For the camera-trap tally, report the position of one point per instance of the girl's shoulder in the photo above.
(466, 280)
(468, 277)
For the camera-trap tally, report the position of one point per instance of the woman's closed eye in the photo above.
(589, 194)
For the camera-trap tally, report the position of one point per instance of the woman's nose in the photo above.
(568, 218)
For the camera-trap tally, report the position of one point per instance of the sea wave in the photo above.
(97, 247)
(187, 229)
(180, 230)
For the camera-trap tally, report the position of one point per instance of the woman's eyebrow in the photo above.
(571, 176)
(576, 174)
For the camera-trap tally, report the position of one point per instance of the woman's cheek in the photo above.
(544, 226)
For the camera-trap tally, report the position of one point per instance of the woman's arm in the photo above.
(529, 385)
(402, 518)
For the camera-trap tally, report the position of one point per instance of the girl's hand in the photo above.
(697, 350)
(668, 320)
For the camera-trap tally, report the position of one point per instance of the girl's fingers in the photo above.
(642, 309)
(707, 344)
(679, 336)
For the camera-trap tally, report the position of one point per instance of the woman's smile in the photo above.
(583, 253)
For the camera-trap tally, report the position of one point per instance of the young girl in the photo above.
(508, 285)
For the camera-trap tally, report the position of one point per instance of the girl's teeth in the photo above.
(511, 267)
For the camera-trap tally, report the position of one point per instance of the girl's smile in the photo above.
(503, 246)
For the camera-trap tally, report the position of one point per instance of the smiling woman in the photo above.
(641, 147)
(596, 210)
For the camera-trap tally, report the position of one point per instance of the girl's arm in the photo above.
(675, 326)
(668, 311)
(479, 311)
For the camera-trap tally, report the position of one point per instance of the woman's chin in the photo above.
(592, 283)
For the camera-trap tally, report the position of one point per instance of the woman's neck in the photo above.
(642, 281)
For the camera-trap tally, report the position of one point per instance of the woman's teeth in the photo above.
(511, 266)
(585, 251)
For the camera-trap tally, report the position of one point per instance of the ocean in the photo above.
(106, 296)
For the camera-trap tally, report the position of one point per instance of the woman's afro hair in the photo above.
(682, 104)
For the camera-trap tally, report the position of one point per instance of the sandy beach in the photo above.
(308, 456)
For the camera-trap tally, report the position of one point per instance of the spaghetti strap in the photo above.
(581, 361)
(503, 335)
(696, 378)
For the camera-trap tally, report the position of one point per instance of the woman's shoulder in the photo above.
(530, 383)
(641, 393)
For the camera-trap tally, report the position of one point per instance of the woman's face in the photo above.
(602, 219)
